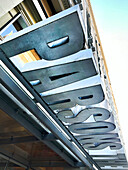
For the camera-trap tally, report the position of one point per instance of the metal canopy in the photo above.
(26, 104)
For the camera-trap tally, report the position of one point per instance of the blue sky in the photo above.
(112, 21)
(8, 30)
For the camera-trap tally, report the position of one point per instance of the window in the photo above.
(16, 24)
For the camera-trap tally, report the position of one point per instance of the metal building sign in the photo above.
(67, 77)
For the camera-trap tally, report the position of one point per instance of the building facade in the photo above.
(56, 102)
